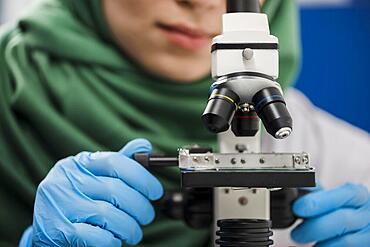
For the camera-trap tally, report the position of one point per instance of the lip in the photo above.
(185, 36)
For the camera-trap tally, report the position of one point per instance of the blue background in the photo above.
(336, 60)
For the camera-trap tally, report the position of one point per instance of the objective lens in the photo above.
(271, 108)
(245, 123)
(220, 110)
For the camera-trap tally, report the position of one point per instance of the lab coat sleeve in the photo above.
(339, 151)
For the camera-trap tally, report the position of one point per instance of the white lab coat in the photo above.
(10, 9)
(339, 151)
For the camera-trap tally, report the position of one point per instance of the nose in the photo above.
(203, 4)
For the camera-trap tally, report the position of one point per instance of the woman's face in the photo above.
(168, 38)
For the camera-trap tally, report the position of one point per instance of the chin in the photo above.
(182, 76)
(181, 72)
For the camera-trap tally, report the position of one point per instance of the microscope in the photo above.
(231, 189)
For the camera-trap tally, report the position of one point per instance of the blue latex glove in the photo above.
(95, 199)
(334, 218)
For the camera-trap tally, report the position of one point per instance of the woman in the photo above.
(93, 75)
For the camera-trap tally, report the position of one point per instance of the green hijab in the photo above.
(65, 88)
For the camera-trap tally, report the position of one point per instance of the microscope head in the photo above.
(245, 68)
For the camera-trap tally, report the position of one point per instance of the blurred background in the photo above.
(336, 55)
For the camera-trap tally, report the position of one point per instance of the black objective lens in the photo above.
(271, 108)
(220, 110)
(245, 123)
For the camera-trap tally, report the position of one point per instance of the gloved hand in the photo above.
(95, 199)
(334, 218)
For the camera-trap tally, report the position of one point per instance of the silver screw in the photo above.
(240, 148)
(248, 53)
(297, 160)
(305, 159)
(177, 197)
(245, 107)
(243, 201)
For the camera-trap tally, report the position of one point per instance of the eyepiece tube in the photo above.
(234, 6)
(271, 108)
(220, 110)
